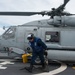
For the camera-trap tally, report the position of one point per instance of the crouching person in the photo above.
(38, 49)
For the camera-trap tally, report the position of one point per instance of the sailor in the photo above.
(38, 49)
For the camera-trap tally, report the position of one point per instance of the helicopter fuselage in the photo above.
(59, 39)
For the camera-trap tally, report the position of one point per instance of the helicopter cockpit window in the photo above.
(10, 33)
(52, 37)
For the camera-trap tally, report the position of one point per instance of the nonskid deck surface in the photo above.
(11, 67)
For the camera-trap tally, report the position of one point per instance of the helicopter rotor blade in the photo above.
(68, 14)
(66, 1)
(54, 12)
(58, 11)
(20, 13)
(61, 7)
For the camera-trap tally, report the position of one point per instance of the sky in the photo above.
(31, 6)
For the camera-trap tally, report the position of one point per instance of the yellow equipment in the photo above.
(25, 57)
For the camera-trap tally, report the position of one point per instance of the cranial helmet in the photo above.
(30, 36)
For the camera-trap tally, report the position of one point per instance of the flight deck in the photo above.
(11, 67)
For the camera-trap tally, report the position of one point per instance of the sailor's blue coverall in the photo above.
(38, 48)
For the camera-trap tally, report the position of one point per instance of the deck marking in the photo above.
(2, 67)
(5, 63)
(56, 71)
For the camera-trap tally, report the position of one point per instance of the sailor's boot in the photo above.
(44, 67)
(29, 68)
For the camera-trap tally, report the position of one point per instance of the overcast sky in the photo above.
(29, 5)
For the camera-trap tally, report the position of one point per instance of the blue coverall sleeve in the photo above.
(41, 43)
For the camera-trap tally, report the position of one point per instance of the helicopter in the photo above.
(58, 32)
